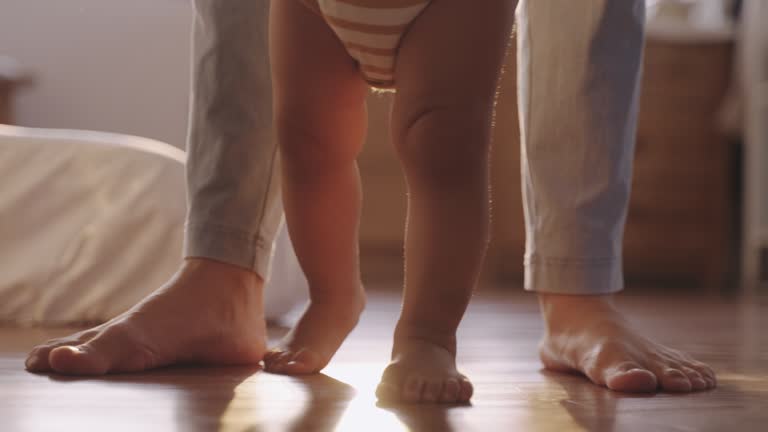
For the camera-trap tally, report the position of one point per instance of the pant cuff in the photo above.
(579, 277)
(228, 245)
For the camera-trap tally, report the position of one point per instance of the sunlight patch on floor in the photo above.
(361, 412)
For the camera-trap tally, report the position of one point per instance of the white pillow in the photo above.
(92, 222)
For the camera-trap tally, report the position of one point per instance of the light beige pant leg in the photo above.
(233, 186)
(579, 66)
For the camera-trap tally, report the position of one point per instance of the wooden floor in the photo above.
(497, 343)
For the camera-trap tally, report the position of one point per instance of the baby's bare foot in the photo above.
(423, 370)
(586, 334)
(209, 313)
(311, 343)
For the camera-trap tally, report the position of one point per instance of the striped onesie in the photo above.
(371, 31)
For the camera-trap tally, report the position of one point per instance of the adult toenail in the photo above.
(685, 383)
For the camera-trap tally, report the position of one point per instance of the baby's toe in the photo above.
(451, 390)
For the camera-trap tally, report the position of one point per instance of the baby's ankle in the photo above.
(409, 332)
(346, 296)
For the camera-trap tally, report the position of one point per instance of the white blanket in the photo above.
(92, 222)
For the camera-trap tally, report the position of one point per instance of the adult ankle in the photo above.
(560, 310)
(229, 271)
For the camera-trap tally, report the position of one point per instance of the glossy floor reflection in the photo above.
(498, 345)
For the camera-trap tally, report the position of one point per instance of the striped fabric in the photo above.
(371, 31)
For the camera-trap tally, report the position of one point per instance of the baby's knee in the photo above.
(445, 143)
(309, 147)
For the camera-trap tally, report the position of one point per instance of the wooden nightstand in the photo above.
(12, 77)
(681, 209)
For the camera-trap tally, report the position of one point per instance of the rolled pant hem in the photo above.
(574, 276)
(228, 245)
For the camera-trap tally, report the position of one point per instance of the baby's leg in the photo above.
(320, 122)
(447, 74)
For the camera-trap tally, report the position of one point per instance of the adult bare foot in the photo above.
(423, 369)
(311, 343)
(587, 334)
(208, 313)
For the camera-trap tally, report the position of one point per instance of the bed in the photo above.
(91, 222)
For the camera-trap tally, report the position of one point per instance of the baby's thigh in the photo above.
(309, 64)
(317, 87)
(447, 74)
(454, 51)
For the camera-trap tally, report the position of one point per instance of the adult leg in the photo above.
(579, 68)
(232, 219)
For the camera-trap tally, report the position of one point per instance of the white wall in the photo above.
(119, 66)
